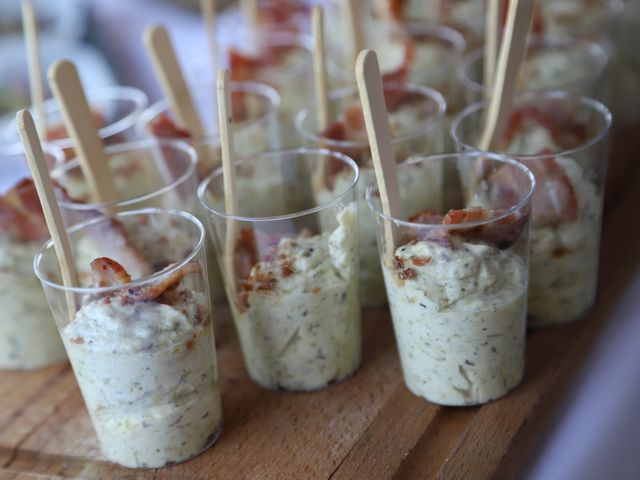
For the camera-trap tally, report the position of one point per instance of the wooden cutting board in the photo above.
(367, 427)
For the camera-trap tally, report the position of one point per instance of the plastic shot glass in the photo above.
(290, 265)
(417, 126)
(564, 141)
(28, 337)
(140, 336)
(116, 111)
(456, 278)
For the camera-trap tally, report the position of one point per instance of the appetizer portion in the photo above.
(28, 335)
(144, 359)
(297, 311)
(415, 119)
(567, 214)
(458, 303)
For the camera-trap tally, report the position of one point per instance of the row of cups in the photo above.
(303, 260)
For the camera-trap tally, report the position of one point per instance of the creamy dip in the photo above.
(459, 319)
(148, 376)
(28, 335)
(299, 318)
(564, 255)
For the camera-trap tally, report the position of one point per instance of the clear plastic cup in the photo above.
(564, 140)
(290, 265)
(550, 64)
(457, 279)
(418, 131)
(141, 348)
(116, 110)
(151, 173)
(28, 337)
(254, 107)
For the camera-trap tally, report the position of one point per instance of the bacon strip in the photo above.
(501, 233)
(107, 272)
(163, 126)
(554, 200)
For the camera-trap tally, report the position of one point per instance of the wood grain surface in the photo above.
(368, 426)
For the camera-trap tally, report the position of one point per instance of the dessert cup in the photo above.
(564, 140)
(290, 265)
(456, 278)
(140, 336)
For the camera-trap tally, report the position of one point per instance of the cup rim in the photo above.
(204, 185)
(48, 148)
(432, 158)
(162, 106)
(551, 41)
(339, 93)
(117, 92)
(118, 148)
(527, 97)
(135, 283)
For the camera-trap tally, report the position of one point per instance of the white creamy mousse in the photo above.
(299, 321)
(458, 314)
(147, 373)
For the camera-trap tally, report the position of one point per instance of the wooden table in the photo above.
(367, 427)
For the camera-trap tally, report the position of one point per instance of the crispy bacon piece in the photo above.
(155, 290)
(106, 272)
(437, 235)
(554, 200)
(502, 233)
(246, 67)
(163, 126)
(58, 131)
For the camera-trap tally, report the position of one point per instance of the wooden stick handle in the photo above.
(165, 64)
(377, 123)
(511, 53)
(36, 87)
(225, 121)
(320, 68)
(81, 125)
(491, 42)
(208, 10)
(355, 34)
(52, 215)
